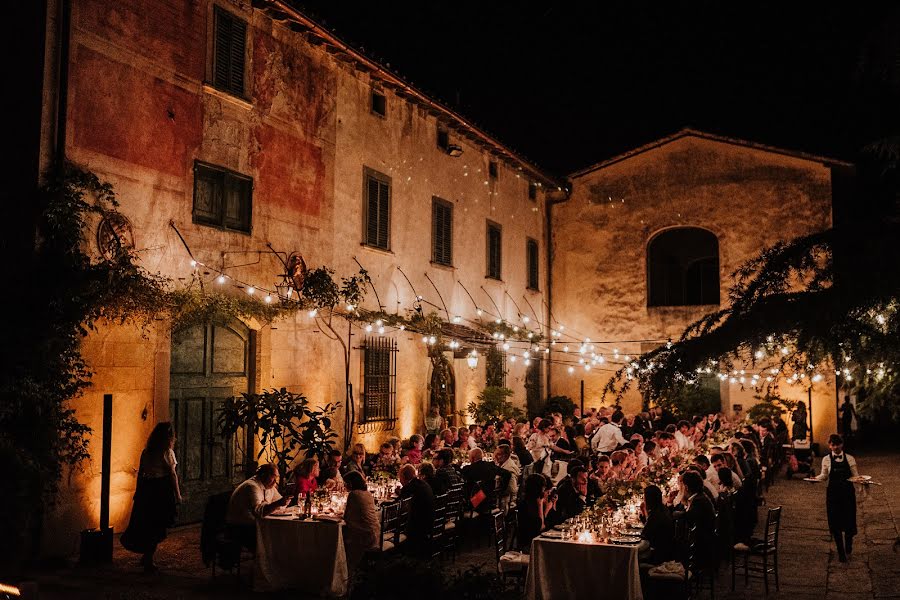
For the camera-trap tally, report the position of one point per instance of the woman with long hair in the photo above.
(155, 497)
(536, 503)
(362, 532)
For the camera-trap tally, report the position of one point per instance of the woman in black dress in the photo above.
(533, 509)
(155, 497)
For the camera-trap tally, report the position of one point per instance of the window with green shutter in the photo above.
(379, 364)
(229, 53)
(377, 210)
(494, 251)
(441, 232)
(222, 198)
(531, 260)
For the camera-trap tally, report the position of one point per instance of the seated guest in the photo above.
(426, 474)
(684, 435)
(641, 459)
(504, 458)
(651, 450)
(700, 515)
(330, 476)
(603, 475)
(580, 440)
(474, 436)
(357, 460)
(421, 511)
(386, 461)
(533, 509)
(463, 440)
(521, 452)
(362, 529)
(728, 481)
(659, 528)
(305, 475)
(482, 475)
(711, 475)
(573, 494)
(448, 437)
(251, 500)
(445, 476)
(609, 436)
(431, 445)
(560, 438)
(719, 462)
(414, 454)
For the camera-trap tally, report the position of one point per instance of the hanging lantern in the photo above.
(285, 288)
(472, 360)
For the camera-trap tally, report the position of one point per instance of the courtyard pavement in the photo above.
(809, 568)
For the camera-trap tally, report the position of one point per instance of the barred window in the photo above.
(379, 363)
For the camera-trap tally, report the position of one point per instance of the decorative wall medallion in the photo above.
(114, 234)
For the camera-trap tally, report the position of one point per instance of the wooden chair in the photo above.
(390, 526)
(509, 563)
(452, 509)
(760, 557)
(438, 532)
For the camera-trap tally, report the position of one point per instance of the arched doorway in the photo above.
(210, 363)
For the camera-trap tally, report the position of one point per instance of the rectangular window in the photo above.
(443, 138)
(531, 260)
(494, 251)
(492, 169)
(229, 53)
(441, 232)
(532, 190)
(222, 198)
(379, 363)
(377, 210)
(379, 104)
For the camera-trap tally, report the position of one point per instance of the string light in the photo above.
(220, 279)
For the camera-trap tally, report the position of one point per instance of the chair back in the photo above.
(441, 501)
(405, 506)
(773, 525)
(390, 520)
(436, 535)
(499, 534)
(213, 524)
(457, 495)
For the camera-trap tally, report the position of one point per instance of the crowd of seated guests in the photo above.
(553, 468)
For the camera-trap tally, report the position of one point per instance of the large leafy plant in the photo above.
(282, 422)
(493, 406)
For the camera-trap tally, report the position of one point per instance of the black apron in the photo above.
(840, 498)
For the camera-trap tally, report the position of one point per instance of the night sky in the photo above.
(568, 85)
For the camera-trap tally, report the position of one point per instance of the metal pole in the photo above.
(809, 401)
(106, 460)
(582, 398)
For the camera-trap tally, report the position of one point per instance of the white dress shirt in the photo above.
(684, 442)
(247, 502)
(826, 466)
(607, 438)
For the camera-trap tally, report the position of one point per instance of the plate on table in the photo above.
(860, 479)
(553, 535)
(625, 539)
(633, 530)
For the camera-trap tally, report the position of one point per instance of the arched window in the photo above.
(683, 268)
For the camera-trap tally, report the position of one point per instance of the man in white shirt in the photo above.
(609, 436)
(838, 468)
(254, 499)
(504, 458)
(683, 436)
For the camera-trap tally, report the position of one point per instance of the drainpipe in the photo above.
(557, 197)
(62, 100)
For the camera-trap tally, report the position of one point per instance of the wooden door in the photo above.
(209, 365)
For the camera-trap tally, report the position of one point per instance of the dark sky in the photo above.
(569, 84)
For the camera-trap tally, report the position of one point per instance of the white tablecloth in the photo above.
(559, 569)
(303, 555)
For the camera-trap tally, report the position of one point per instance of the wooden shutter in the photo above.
(378, 212)
(442, 232)
(230, 52)
(379, 379)
(494, 244)
(532, 262)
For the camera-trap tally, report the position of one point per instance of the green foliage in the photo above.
(561, 404)
(495, 368)
(284, 425)
(493, 406)
(195, 307)
(690, 400)
(770, 405)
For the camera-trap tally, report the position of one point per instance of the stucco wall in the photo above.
(141, 113)
(749, 198)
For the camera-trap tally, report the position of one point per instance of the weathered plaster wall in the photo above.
(748, 198)
(141, 113)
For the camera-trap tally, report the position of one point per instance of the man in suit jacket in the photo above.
(702, 517)
(482, 475)
(573, 494)
(421, 511)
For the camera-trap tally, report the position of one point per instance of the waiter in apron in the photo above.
(840, 496)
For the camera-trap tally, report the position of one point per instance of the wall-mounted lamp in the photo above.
(472, 359)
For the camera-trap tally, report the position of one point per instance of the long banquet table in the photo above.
(304, 555)
(569, 569)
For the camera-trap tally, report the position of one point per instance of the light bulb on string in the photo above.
(194, 264)
(479, 312)
(268, 298)
(312, 314)
(571, 370)
(251, 290)
(220, 279)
